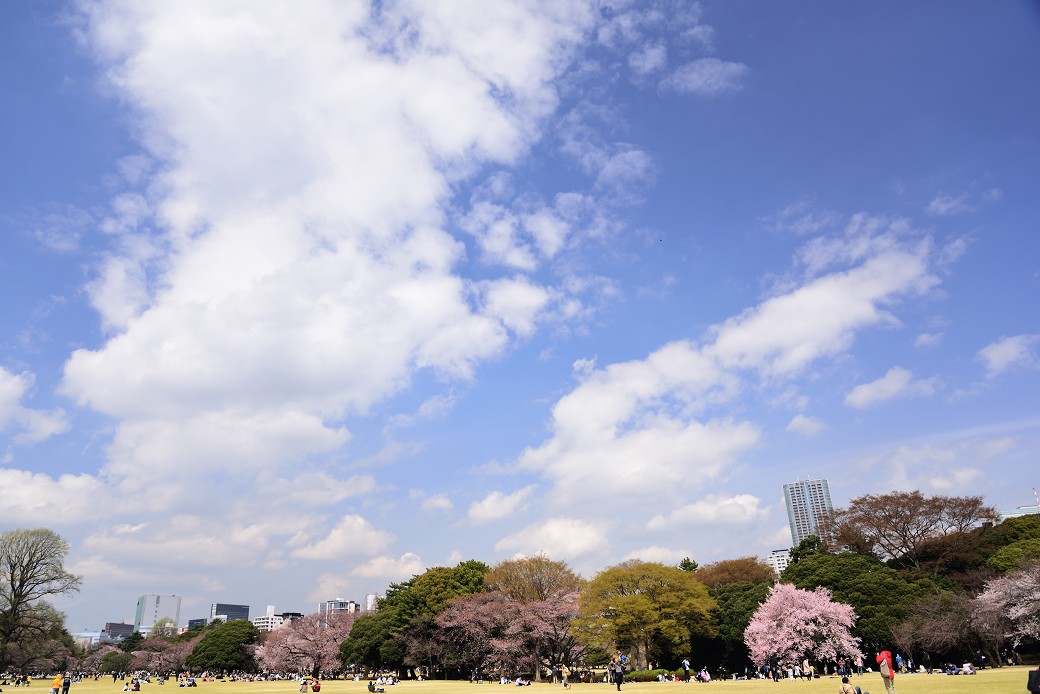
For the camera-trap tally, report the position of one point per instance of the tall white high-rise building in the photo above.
(152, 608)
(807, 502)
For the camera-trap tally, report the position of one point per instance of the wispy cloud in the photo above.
(1007, 352)
(896, 383)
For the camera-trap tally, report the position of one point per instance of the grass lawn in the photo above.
(1007, 680)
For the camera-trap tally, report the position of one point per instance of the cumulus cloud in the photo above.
(896, 383)
(35, 497)
(712, 510)
(352, 536)
(390, 569)
(805, 425)
(556, 537)
(497, 505)
(1008, 352)
(285, 212)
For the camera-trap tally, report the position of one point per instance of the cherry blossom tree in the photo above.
(162, 655)
(1016, 597)
(475, 629)
(309, 645)
(91, 662)
(793, 624)
(546, 593)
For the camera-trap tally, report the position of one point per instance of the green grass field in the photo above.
(1008, 680)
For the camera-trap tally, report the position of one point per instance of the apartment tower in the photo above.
(808, 501)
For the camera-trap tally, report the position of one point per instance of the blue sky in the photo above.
(304, 299)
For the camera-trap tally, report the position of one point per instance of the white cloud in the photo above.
(35, 497)
(805, 425)
(1008, 352)
(623, 173)
(648, 59)
(548, 230)
(440, 502)
(391, 569)
(800, 218)
(645, 419)
(556, 537)
(957, 481)
(706, 77)
(353, 536)
(293, 206)
(946, 205)
(662, 555)
(897, 382)
(317, 488)
(712, 510)
(516, 302)
(175, 454)
(191, 539)
(497, 505)
(928, 340)
(32, 426)
(13, 388)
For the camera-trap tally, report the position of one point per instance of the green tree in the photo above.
(373, 641)
(736, 605)
(31, 570)
(687, 564)
(1015, 556)
(428, 593)
(227, 647)
(164, 628)
(881, 597)
(381, 639)
(116, 661)
(646, 609)
(131, 643)
(806, 548)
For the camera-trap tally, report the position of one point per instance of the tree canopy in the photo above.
(899, 525)
(877, 592)
(32, 633)
(793, 624)
(739, 570)
(646, 609)
(227, 647)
